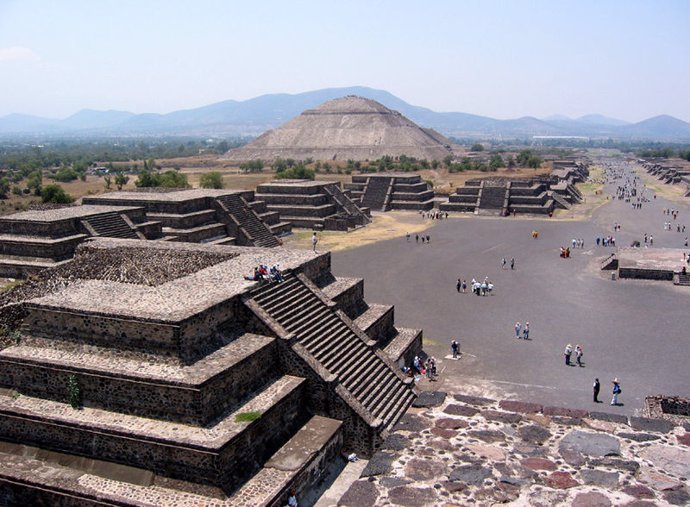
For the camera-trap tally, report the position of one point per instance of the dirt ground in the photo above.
(384, 226)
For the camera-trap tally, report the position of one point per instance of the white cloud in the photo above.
(17, 53)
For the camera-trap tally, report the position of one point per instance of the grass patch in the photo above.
(11, 285)
(247, 416)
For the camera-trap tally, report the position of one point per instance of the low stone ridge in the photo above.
(537, 456)
(429, 399)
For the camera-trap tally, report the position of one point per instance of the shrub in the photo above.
(55, 193)
(247, 416)
(73, 392)
(211, 180)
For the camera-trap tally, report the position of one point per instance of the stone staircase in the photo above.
(681, 279)
(260, 234)
(110, 225)
(366, 373)
(376, 193)
(345, 203)
(492, 199)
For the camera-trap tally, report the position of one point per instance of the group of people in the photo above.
(263, 274)
(569, 352)
(434, 214)
(578, 242)
(423, 367)
(606, 241)
(615, 391)
(522, 332)
(424, 237)
(565, 252)
(482, 289)
(504, 262)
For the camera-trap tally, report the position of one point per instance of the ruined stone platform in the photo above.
(650, 263)
(454, 450)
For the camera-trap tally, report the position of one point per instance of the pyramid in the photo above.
(348, 128)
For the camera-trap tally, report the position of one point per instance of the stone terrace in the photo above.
(391, 191)
(319, 205)
(34, 240)
(463, 450)
(206, 388)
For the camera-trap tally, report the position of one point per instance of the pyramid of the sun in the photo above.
(348, 128)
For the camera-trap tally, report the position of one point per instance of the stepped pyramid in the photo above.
(195, 386)
(342, 129)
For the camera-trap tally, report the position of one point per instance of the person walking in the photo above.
(567, 353)
(512, 263)
(595, 391)
(525, 331)
(518, 326)
(578, 354)
(408, 237)
(314, 241)
(464, 286)
(455, 348)
(416, 238)
(503, 263)
(458, 286)
(616, 391)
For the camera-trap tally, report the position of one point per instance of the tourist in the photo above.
(651, 240)
(455, 348)
(525, 331)
(567, 353)
(314, 241)
(464, 286)
(518, 326)
(616, 391)
(416, 238)
(292, 499)
(503, 263)
(458, 286)
(578, 355)
(595, 391)
(512, 263)
(428, 238)
(408, 237)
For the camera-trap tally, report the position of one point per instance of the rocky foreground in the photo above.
(462, 450)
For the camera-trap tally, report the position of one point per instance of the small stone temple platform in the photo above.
(391, 191)
(35, 240)
(318, 205)
(452, 450)
(651, 263)
(141, 382)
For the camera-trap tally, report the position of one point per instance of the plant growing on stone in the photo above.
(16, 336)
(247, 416)
(73, 392)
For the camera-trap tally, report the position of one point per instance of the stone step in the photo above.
(196, 234)
(312, 335)
(201, 391)
(184, 220)
(404, 340)
(18, 267)
(376, 321)
(367, 378)
(227, 240)
(217, 453)
(337, 338)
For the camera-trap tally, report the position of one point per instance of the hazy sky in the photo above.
(626, 59)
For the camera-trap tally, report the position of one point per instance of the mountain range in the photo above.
(254, 116)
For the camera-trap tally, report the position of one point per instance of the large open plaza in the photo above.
(635, 330)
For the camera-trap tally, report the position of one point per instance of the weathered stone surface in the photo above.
(472, 475)
(561, 480)
(607, 480)
(489, 436)
(619, 464)
(646, 424)
(394, 482)
(657, 480)
(572, 458)
(591, 499)
(443, 433)
(504, 417)
(684, 439)
(461, 410)
(441, 444)
(568, 421)
(638, 491)
(520, 406)
(360, 494)
(538, 464)
(451, 424)
(673, 460)
(595, 424)
(488, 451)
(591, 444)
(429, 399)
(638, 437)
(453, 487)
(424, 469)
(379, 464)
(677, 496)
(565, 412)
(534, 434)
(396, 442)
(473, 400)
(540, 419)
(515, 481)
(605, 416)
(640, 503)
(412, 422)
(412, 497)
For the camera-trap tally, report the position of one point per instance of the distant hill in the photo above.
(255, 116)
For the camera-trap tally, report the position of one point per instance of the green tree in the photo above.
(147, 179)
(4, 187)
(121, 179)
(447, 160)
(55, 193)
(252, 166)
(173, 179)
(279, 165)
(35, 182)
(477, 147)
(211, 180)
(434, 164)
(299, 172)
(108, 181)
(496, 162)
